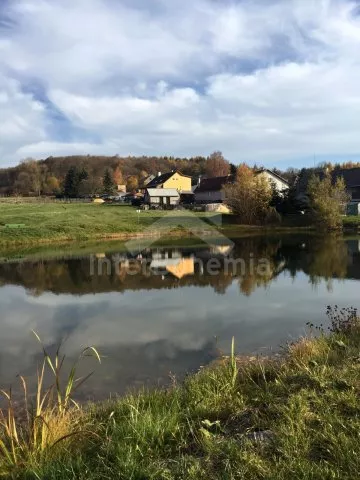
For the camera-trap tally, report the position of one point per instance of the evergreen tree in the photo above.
(108, 182)
(73, 180)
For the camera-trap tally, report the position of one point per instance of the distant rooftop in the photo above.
(214, 184)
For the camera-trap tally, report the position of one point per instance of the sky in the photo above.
(274, 82)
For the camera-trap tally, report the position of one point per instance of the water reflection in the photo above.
(160, 312)
(322, 259)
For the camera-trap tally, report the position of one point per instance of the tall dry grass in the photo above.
(33, 430)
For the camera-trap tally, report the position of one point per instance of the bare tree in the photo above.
(216, 165)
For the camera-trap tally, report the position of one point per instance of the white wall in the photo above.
(280, 185)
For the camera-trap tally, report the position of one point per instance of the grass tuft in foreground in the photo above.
(44, 423)
(295, 416)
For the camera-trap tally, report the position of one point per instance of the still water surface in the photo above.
(162, 312)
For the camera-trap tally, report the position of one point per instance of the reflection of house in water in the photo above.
(172, 261)
(181, 263)
(155, 268)
(222, 249)
(353, 267)
(353, 246)
(183, 268)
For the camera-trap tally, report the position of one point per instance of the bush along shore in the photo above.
(292, 416)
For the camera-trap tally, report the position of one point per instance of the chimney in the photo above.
(159, 174)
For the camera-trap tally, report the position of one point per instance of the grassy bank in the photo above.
(295, 416)
(58, 222)
(36, 223)
(351, 223)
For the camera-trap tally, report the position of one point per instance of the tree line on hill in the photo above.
(90, 174)
(250, 196)
(85, 175)
(81, 175)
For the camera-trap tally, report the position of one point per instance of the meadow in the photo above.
(47, 222)
(30, 223)
(295, 415)
(39, 223)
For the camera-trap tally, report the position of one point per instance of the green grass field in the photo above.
(56, 222)
(35, 223)
(296, 416)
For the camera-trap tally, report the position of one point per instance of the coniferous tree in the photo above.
(73, 180)
(108, 182)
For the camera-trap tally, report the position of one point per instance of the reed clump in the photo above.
(41, 424)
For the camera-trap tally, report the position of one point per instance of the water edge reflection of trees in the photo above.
(320, 258)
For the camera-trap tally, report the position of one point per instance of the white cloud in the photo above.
(262, 81)
(22, 118)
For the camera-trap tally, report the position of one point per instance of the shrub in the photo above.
(327, 201)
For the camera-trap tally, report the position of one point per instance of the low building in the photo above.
(121, 188)
(162, 197)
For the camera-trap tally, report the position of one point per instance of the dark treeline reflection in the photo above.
(259, 261)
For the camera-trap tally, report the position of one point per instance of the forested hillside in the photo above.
(48, 176)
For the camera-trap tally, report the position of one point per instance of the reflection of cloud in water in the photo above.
(147, 332)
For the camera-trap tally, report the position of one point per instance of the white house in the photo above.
(211, 190)
(281, 185)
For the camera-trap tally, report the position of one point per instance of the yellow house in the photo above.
(174, 179)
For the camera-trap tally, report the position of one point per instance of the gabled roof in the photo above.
(273, 174)
(214, 184)
(148, 179)
(162, 192)
(160, 179)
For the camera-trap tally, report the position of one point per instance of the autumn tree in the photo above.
(132, 183)
(51, 185)
(29, 180)
(216, 165)
(108, 182)
(117, 176)
(143, 175)
(327, 201)
(249, 196)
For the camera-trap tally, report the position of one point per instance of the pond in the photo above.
(170, 309)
